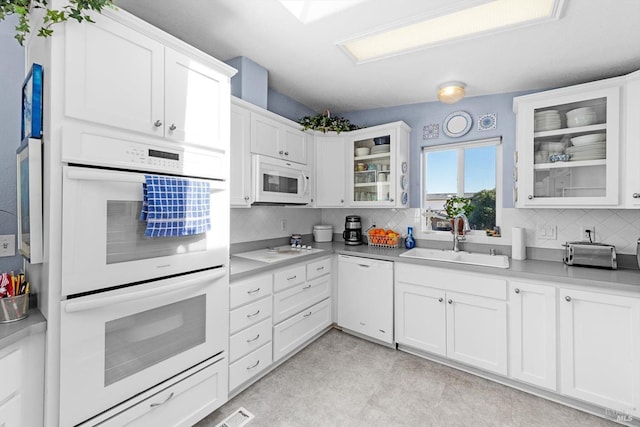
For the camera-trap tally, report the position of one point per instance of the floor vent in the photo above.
(239, 418)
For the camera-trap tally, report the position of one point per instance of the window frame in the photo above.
(474, 235)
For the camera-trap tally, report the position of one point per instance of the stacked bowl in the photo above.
(546, 120)
(584, 116)
(588, 147)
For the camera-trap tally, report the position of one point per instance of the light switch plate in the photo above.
(547, 231)
(7, 245)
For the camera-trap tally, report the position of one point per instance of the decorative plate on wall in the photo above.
(487, 121)
(457, 124)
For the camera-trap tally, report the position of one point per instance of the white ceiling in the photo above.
(593, 39)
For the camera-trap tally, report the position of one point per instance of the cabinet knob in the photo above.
(567, 298)
(172, 127)
(450, 301)
(636, 195)
(530, 197)
(246, 198)
(341, 200)
(391, 200)
(286, 153)
(281, 152)
(516, 290)
(157, 123)
(440, 299)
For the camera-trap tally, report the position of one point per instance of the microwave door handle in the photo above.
(134, 178)
(76, 306)
(306, 183)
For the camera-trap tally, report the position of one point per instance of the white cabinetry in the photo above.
(472, 326)
(331, 171)
(250, 328)
(22, 382)
(631, 191)
(547, 124)
(240, 153)
(600, 349)
(118, 77)
(533, 326)
(365, 297)
(379, 177)
(278, 137)
(302, 307)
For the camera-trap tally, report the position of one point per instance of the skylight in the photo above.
(487, 18)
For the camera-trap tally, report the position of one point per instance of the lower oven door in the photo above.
(119, 343)
(103, 237)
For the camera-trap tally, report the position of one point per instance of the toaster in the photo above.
(590, 254)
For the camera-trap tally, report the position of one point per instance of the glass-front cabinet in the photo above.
(568, 143)
(379, 169)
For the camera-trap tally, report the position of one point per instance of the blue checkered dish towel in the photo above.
(175, 206)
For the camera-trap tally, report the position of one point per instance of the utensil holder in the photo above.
(13, 309)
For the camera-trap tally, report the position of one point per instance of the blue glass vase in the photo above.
(409, 241)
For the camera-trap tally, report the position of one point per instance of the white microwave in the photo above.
(280, 182)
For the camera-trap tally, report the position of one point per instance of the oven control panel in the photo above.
(162, 159)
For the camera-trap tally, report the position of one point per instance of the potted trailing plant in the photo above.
(75, 9)
(326, 123)
(454, 206)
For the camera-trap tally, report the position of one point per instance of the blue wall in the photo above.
(417, 116)
(11, 77)
(287, 107)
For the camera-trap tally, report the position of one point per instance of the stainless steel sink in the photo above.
(486, 260)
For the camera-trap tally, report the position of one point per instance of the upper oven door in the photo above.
(280, 181)
(103, 237)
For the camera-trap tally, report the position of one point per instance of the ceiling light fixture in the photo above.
(451, 92)
(446, 26)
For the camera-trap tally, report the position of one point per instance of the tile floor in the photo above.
(341, 380)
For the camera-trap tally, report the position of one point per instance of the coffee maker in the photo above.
(352, 234)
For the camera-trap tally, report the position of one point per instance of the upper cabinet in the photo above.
(240, 154)
(377, 166)
(118, 77)
(275, 138)
(331, 170)
(631, 154)
(568, 145)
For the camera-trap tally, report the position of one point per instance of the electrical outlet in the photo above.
(283, 225)
(7, 245)
(589, 233)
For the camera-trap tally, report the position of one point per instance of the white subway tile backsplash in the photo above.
(263, 222)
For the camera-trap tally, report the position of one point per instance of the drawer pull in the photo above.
(155, 405)
(363, 324)
(254, 314)
(308, 314)
(253, 339)
(320, 268)
(255, 365)
(291, 278)
(306, 287)
(383, 331)
(253, 291)
(364, 265)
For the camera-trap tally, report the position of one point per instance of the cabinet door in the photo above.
(240, 154)
(477, 331)
(532, 326)
(330, 171)
(550, 123)
(631, 195)
(196, 103)
(11, 412)
(600, 349)
(114, 76)
(266, 136)
(420, 318)
(294, 144)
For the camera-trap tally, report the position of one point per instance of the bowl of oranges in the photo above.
(383, 238)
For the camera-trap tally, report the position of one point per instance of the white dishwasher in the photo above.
(365, 297)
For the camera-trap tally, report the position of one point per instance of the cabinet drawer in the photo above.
(11, 412)
(250, 290)
(293, 332)
(249, 314)
(250, 365)
(293, 300)
(290, 277)
(318, 268)
(244, 342)
(11, 369)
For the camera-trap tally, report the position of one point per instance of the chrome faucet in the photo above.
(465, 228)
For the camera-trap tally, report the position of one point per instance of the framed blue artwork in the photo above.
(32, 104)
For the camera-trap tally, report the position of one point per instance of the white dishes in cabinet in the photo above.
(546, 120)
(584, 116)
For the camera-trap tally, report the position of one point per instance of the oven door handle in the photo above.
(133, 178)
(76, 306)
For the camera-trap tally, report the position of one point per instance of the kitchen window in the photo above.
(470, 169)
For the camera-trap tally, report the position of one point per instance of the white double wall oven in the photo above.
(136, 311)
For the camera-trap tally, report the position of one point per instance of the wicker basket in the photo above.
(378, 241)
